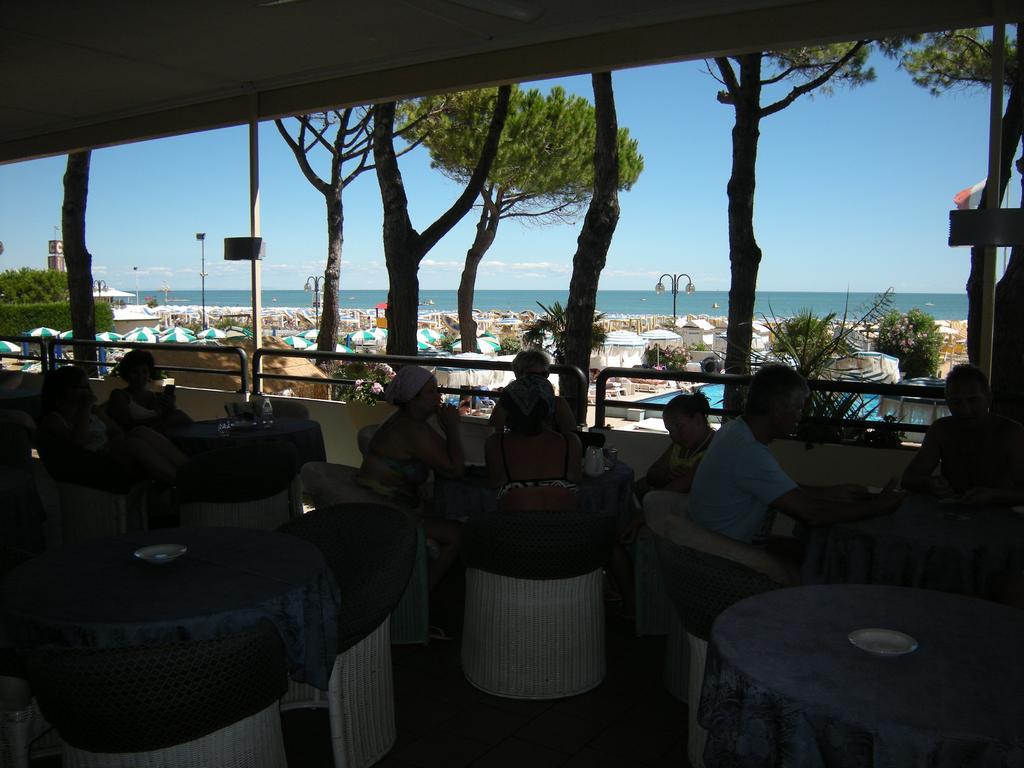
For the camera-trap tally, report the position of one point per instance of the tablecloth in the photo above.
(783, 686)
(304, 434)
(97, 594)
(924, 544)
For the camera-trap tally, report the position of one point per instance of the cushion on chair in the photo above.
(239, 473)
(146, 698)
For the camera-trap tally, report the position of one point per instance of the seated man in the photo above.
(739, 480)
(979, 455)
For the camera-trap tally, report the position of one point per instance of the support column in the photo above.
(993, 183)
(254, 222)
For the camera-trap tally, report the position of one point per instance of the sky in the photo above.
(853, 193)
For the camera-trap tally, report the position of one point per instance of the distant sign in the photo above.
(56, 246)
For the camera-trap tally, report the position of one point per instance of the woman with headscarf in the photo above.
(532, 465)
(534, 363)
(406, 449)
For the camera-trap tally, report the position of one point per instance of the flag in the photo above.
(970, 197)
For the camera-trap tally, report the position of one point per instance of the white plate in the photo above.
(883, 642)
(159, 554)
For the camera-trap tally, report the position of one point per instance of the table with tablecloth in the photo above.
(98, 594)
(947, 547)
(201, 436)
(610, 493)
(784, 686)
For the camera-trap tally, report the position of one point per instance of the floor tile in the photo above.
(599, 705)
(441, 751)
(489, 725)
(560, 731)
(515, 753)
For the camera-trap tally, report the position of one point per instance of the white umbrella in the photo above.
(486, 344)
(65, 335)
(660, 334)
(296, 342)
(363, 338)
(428, 336)
(211, 333)
(342, 348)
(43, 333)
(108, 336)
(144, 335)
(311, 334)
(10, 346)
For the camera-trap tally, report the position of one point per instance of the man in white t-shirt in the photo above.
(739, 480)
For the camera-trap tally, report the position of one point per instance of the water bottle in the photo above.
(266, 413)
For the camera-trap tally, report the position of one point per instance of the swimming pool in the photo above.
(716, 393)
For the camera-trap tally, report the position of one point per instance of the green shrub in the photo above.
(33, 286)
(15, 319)
(914, 339)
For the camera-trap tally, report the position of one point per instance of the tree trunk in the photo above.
(1011, 135)
(76, 253)
(596, 235)
(744, 253)
(327, 338)
(486, 230)
(404, 247)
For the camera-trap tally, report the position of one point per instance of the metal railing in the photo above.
(45, 356)
(578, 403)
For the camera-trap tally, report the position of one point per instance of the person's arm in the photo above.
(919, 474)
(817, 510)
(118, 409)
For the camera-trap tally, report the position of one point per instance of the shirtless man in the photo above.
(980, 455)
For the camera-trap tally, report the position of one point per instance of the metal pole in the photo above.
(201, 237)
(675, 293)
(254, 225)
(136, 270)
(993, 184)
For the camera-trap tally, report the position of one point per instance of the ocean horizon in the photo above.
(769, 304)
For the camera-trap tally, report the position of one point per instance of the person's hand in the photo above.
(939, 487)
(981, 496)
(888, 500)
(851, 491)
(448, 418)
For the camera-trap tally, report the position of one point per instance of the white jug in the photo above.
(593, 462)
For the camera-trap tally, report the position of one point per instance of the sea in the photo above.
(768, 304)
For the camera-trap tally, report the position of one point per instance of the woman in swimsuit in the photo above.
(136, 405)
(406, 448)
(532, 465)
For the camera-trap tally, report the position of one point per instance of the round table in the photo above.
(97, 594)
(950, 548)
(784, 686)
(26, 400)
(201, 436)
(471, 495)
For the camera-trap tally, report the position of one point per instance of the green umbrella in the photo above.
(211, 333)
(311, 334)
(363, 337)
(65, 335)
(108, 336)
(10, 346)
(177, 336)
(342, 348)
(296, 342)
(428, 336)
(144, 335)
(484, 343)
(422, 346)
(44, 333)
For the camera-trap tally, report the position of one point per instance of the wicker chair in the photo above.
(700, 586)
(534, 621)
(370, 549)
(238, 487)
(212, 702)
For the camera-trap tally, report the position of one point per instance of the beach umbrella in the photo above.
(422, 346)
(362, 338)
(143, 335)
(311, 334)
(624, 339)
(108, 336)
(177, 336)
(43, 333)
(660, 334)
(486, 345)
(296, 342)
(237, 331)
(211, 333)
(10, 346)
(428, 336)
(342, 348)
(65, 335)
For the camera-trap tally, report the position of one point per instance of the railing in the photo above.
(578, 403)
(45, 356)
(50, 360)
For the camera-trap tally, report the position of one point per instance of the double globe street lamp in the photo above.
(314, 284)
(674, 284)
(201, 237)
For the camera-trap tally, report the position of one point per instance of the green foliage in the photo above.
(914, 339)
(553, 322)
(368, 381)
(700, 346)
(18, 318)
(510, 345)
(670, 359)
(802, 65)
(545, 161)
(33, 286)
(956, 59)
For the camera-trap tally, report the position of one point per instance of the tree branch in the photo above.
(810, 85)
(728, 76)
(300, 155)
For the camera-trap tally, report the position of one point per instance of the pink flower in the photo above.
(377, 389)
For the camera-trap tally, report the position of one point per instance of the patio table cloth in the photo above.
(201, 436)
(610, 493)
(783, 685)
(98, 594)
(946, 547)
(26, 400)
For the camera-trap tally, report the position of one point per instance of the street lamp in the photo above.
(99, 288)
(674, 283)
(201, 237)
(136, 271)
(313, 284)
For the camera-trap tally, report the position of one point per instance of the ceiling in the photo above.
(75, 74)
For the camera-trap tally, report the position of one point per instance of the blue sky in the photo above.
(853, 193)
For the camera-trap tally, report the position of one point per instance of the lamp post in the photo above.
(136, 271)
(313, 284)
(201, 237)
(99, 288)
(674, 283)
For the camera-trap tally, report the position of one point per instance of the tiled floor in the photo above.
(444, 722)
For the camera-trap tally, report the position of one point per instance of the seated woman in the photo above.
(71, 434)
(136, 405)
(534, 363)
(533, 466)
(405, 449)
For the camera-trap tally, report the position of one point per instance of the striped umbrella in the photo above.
(485, 344)
(422, 346)
(211, 333)
(43, 333)
(177, 336)
(311, 334)
(108, 336)
(65, 335)
(342, 348)
(143, 335)
(428, 336)
(10, 346)
(296, 342)
(362, 338)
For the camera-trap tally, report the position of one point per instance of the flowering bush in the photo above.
(914, 339)
(368, 381)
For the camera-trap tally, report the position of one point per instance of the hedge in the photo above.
(16, 319)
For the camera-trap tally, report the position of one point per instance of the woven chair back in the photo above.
(371, 549)
(238, 473)
(538, 544)
(141, 699)
(700, 585)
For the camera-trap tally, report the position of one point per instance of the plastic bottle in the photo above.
(267, 413)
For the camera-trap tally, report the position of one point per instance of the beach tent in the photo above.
(621, 349)
(472, 377)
